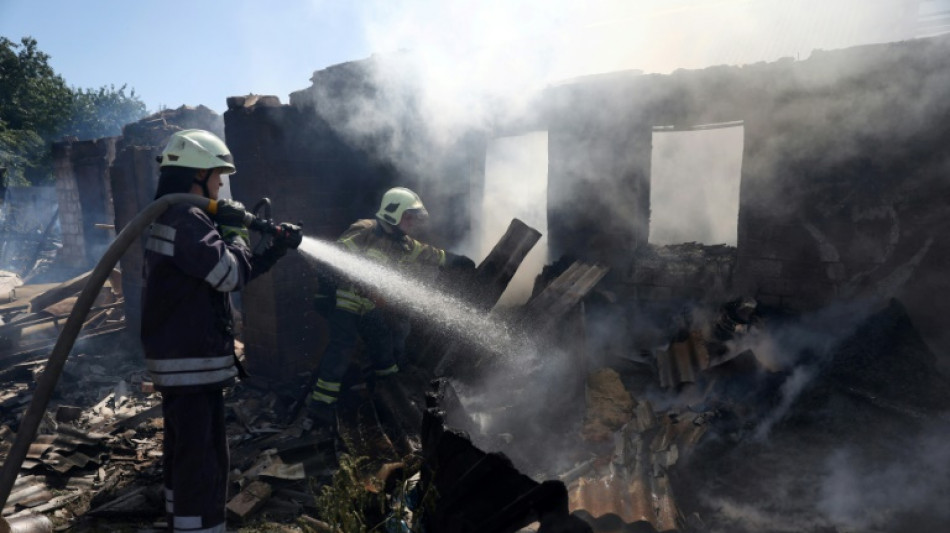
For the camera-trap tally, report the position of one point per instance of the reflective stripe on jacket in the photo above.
(186, 304)
(367, 237)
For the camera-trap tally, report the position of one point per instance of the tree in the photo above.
(22, 152)
(102, 112)
(32, 96)
(38, 108)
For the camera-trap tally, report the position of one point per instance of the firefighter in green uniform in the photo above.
(387, 240)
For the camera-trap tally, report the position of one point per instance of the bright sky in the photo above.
(176, 52)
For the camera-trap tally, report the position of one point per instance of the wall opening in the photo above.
(694, 184)
(516, 184)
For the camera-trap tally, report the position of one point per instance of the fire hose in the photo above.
(46, 382)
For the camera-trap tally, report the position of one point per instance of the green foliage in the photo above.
(346, 504)
(32, 96)
(102, 112)
(37, 108)
(21, 153)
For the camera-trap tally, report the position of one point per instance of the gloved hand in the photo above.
(230, 213)
(458, 262)
(235, 235)
(266, 260)
(288, 235)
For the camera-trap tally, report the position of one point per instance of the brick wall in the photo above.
(84, 192)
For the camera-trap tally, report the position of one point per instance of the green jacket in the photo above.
(367, 237)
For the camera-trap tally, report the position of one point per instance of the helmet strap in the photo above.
(204, 183)
(391, 229)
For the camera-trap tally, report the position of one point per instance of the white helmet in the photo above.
(196, 149)
(396, 202)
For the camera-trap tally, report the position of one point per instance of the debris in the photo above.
(609, 405)
(68, 413)
(250, 499)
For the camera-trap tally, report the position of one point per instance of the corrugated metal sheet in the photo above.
(683, 361)
(634, 489)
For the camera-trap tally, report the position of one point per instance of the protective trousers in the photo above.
(195, 455)
(346, 329)
(399, 328)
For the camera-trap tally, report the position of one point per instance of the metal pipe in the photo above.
(67, 337)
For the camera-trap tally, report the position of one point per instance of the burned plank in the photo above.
(250, 499)
(543, 311)
(499, 266)
(133, 502)
(60, 292)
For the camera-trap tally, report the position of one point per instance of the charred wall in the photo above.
(313, 177)
(843, 170)
(84, 193)
(840, 191)
(376, 106)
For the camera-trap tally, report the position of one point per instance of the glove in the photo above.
(458, 262)
(265, 261)
(230, 213)
(236, 235)
(288, 236)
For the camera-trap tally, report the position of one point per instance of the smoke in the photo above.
(799, 348)
(864, 492)
(506, 47)
(515, 187)
(694, 189)
(444, 71)
(886, 480)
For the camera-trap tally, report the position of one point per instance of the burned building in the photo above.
(839, 198)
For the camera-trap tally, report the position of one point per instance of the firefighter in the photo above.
(193, 261)
(388, 240)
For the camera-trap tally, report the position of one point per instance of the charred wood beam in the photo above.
(472, 490)
(36, 319)
(64, 290)
(545, 309)
(22, 351)
(495, 272)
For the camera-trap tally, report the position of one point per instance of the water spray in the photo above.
(456, 316)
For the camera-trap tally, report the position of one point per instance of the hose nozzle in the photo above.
(290, 235)
(285, 233)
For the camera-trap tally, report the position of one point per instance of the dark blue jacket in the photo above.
(186, 305)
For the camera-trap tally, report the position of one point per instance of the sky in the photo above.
(178, 52)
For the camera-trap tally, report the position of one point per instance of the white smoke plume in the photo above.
(463, 66)
(868, 493)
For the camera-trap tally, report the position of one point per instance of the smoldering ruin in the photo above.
(790, 376)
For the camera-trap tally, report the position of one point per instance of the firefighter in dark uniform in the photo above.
(357, 314)
(192, 263)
